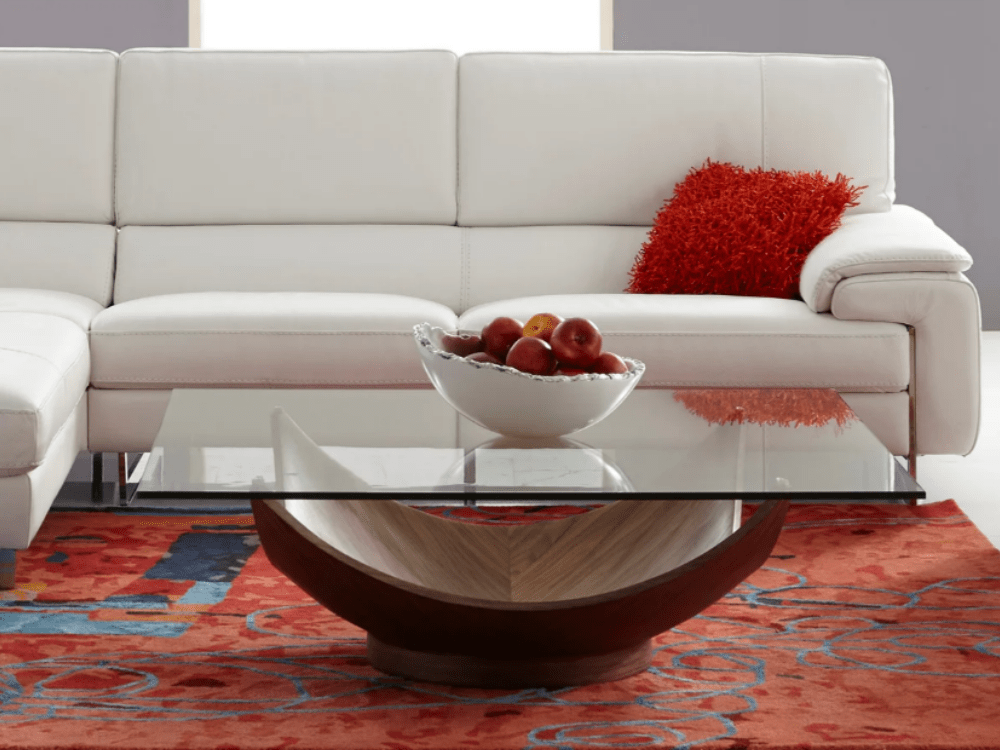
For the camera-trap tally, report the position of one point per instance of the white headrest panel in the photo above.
(57, 110)
(267, 137)
(832, 114)
(602, 138)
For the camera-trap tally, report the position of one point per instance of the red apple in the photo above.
(500, 334)
(576, 342)
(532, 355)
(542, 325)
(484, 357)
(608, 364)
(462, 344)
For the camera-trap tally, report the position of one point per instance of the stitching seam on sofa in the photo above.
(55, 438)
(60, 382)
(27, 467)
(466, 275)
(863, 279)
(739, 334)
(406, 334)
(834, 270)
(112, 384)
(65, 373)
(736, 334)
(109, 274)
(116, 209)
(255, 380)
(458, 130)
(46, 360)
(780, 384)
(940, 279)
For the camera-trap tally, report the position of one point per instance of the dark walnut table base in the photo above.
(551, 604)
(482, 671)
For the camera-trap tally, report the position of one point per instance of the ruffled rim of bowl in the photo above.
(421, 334)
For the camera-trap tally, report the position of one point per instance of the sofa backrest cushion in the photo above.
(57, 133)
(269, 137)
(508, 262)
(414, 261)
(459, 267)
(602, 138)
(59, 256)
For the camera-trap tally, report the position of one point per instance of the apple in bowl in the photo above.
(500, 334)
(533, 355)
(462, 344)
(546, 345)
(577, 342)
(531, 392)
(542, 325)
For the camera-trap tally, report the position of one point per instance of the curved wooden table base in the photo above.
(551, 604)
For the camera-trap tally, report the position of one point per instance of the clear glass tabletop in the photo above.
(410, 444)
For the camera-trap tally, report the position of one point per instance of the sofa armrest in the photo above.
(943, 310)
(902, 240)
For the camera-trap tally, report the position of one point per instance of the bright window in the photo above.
(459, 25)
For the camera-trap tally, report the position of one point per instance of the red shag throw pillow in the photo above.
(727, 230)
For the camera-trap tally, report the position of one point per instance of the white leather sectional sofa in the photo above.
(194, 218)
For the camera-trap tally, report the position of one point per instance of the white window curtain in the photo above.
(458, 25)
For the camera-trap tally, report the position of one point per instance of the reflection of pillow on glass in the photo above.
(806, 407)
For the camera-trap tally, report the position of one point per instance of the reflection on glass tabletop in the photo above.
(409, 444)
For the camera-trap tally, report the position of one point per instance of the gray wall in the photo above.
(944, 71)
(95, 24)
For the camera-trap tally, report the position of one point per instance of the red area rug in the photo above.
(869, 627)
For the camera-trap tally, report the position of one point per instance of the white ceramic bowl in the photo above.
(512, 402)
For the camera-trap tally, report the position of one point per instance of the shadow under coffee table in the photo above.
(335, 478)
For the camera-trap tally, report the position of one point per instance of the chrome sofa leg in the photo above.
(8, 567)
(97, 478)
(122, 478)
(911, 390)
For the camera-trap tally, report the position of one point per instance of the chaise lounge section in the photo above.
(57, 246)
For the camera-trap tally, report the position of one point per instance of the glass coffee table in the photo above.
(336, 477)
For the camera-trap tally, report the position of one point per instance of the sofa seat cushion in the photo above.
(262, 339)
(73, 307)
(723, 341)
(45, 361)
